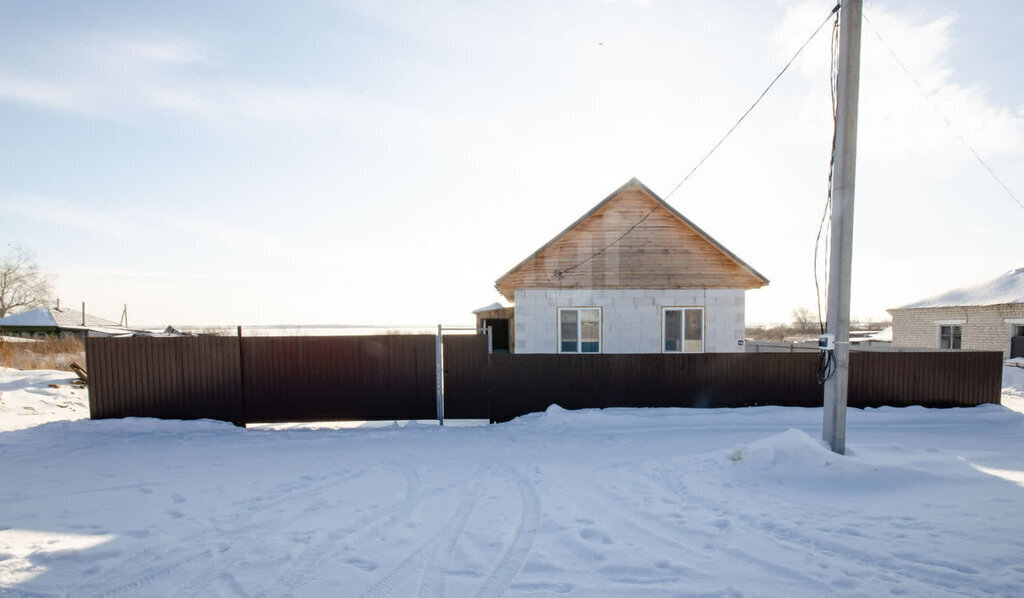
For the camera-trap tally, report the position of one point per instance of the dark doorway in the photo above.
(499, 334)
(1017, 342)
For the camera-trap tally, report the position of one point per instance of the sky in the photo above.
(350, 162)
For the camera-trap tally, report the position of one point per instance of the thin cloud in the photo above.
(44, 94)
(132, 224)
(900, 123)
(118, 76)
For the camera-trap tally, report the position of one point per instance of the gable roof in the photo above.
(52, 317)
(1003, 289)
(622, 238)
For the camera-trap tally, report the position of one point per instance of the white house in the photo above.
(632, 275)
(985, 317)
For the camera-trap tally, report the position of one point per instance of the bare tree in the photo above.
(803, 320)
(22, 285)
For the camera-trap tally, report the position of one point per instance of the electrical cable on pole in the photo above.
(841, 258)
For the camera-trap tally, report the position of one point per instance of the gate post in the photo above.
(439, 358)
(242, 417)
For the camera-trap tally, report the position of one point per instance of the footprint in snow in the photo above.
(593, 535)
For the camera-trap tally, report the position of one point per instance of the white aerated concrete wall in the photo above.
(630, 319)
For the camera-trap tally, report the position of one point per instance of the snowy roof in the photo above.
(491, 307)
(884, 335)
(1008, 288)
(46, 317)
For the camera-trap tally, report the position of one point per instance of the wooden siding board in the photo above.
(664, 251)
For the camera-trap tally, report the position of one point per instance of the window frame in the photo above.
(682, 325)
(956, 332)
(579, 329)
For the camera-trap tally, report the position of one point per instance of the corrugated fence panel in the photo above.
(306, 378)
(520, 384)
(273, 379)
(465, 385)
(171, 378)
(935, 379)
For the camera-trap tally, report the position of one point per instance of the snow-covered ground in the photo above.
(622, 502)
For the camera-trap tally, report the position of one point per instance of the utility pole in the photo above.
(843, 183)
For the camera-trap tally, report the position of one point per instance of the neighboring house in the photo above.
(986, 317)
(43, 321)
(632, 275)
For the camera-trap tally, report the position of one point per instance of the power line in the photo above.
(825, 226)
(756, 102)
(560, 273)
(941, 114)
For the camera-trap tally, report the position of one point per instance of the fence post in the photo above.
(439, 353)
(241, 382)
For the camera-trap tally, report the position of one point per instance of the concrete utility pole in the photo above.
(843, 183)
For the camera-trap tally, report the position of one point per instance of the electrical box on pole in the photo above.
(844, 176)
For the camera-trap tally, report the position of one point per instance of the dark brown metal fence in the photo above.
(465, 379)
(520, 384)
(308, 378)
(171, 378)
(275, 379)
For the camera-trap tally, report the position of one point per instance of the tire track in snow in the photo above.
(515, 555)
(12, 593)
(654, 525)
(305, 567)
(146, 574)
(683, 542)
(434, 577)
(153, 574)
(426, 555)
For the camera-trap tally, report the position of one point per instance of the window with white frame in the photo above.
(950, 336)
(579, 330)
(682, 329)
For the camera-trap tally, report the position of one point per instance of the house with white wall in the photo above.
(984, 317)
(632, 275)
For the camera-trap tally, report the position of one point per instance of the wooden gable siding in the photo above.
(662, 252)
